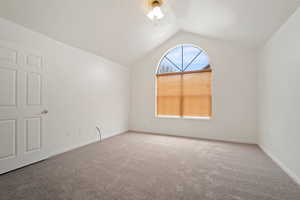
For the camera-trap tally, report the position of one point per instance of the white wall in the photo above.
(234, 93)
(279, 96)
(83, 90)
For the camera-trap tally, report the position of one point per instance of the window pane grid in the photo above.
(185, 58)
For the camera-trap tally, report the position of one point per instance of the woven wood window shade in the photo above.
(169, 95)
(196, 94)
(184, 94)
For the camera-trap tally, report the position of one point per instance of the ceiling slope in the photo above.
(116, 29)
(120, 31)
(248, 22)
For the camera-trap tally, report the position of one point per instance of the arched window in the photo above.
(183, 81)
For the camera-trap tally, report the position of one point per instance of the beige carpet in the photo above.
(140, 166)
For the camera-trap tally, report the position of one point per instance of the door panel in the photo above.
(34, 62)
(8, 139)
(8, 87)
(33, 134)
(33, 89)
(21, 103)
(8, 55)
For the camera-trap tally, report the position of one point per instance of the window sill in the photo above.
(186, 117)
(168, 116)
(201, 118)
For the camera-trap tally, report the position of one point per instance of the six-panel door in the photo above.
(21, 104)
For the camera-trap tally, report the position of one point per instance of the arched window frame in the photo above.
(183, 71)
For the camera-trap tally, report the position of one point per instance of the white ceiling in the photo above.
(119, 29)
(248, 22)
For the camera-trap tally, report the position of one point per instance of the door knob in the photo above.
(44, 112)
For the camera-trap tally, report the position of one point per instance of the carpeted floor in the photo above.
(140, 166)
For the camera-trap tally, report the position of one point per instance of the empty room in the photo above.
(149, 100)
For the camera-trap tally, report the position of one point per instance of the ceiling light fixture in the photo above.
(155, 12)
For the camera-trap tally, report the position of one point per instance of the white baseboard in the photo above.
(61, 151)
(193, 137)
(287, 170)
(84, 144)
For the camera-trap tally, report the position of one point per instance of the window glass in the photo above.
(200, 63)
(183, 58)
(175, 56)
(167, 67)
(189, 53)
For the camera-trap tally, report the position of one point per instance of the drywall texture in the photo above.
(83, 90)
(279, 95)
(234, 93)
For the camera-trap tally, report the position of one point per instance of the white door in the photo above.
(22, 110)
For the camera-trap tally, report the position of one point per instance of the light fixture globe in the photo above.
(155, 12)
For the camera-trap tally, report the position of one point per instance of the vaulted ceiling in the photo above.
(119, 29)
